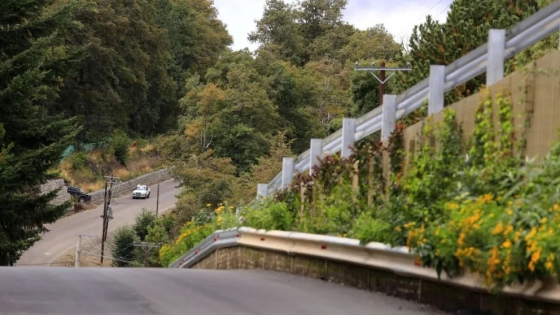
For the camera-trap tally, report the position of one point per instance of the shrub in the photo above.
(120, 143)
(122, 249)
(144, 220)
(78, 160)
(193, 232)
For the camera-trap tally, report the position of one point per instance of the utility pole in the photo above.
(157, 198)
(381, 77)
(78, 251)
(146, 248)
(107, 212)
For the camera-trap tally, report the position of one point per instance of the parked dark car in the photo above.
(78, 194)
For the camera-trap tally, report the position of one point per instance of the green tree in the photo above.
(33, 61)
(143, 222)
(159, 233)
(123, 250)
(465, 29)
(278, 32)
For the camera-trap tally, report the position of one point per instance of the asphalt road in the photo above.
(64, 233)
(135, 291)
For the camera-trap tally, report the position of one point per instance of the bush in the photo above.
(460, 206)
(144, 220)
(78, 160)
(123, 250)
(120, 143)
(193, 232)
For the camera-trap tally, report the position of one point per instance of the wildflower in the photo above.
(453, 206)
(493, 260)
(543, 220)
(555, 207)
(498, 229)
(461, 240)
(209, 205)
(506, 244)
(485, 198)
(508, 229)
(509, 212)
(531, 234)
(534, 259)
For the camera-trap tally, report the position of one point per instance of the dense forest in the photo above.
(79, 71)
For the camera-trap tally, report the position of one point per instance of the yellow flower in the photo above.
(549, 265)
(543, 220)
(555, 207)
(461, 240)
(506, 244)
(498, 229)
(534, 259)
(508, 229)
(209, 205)
(485, 198)
(453, 206)
(531, 234)
(219, 209)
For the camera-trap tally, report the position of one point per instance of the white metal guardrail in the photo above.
(488, 58)
(373, 255)
(218, 239)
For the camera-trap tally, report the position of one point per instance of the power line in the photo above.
(430, 9)
(446, 7)
(146, 247)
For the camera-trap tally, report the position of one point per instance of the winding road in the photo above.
(63, 234)
(47, 290)
(141, 291)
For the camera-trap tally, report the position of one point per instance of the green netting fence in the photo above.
(85, 147)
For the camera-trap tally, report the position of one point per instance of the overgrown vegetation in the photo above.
(86, 170)
(84, 71)
(148, 229)
(464, 204)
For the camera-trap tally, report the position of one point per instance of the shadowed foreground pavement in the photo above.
(135, 291)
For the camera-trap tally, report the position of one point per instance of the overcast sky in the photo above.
(398, 16)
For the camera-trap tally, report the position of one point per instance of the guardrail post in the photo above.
(315, 153)
(389, 116)
(348, 136)
(496, 56)
(436, 89)
(262, 191)
(288, 164)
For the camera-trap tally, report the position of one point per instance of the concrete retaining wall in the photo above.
(127, 187)
(425, 291)
(51, 185)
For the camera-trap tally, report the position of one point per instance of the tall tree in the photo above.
(465, 29)
(123, 83)
(33, 61)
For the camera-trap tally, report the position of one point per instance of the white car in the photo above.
(141, 191)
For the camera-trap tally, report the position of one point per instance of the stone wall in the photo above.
(51, 185)
(441, 295)
(123, 188)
